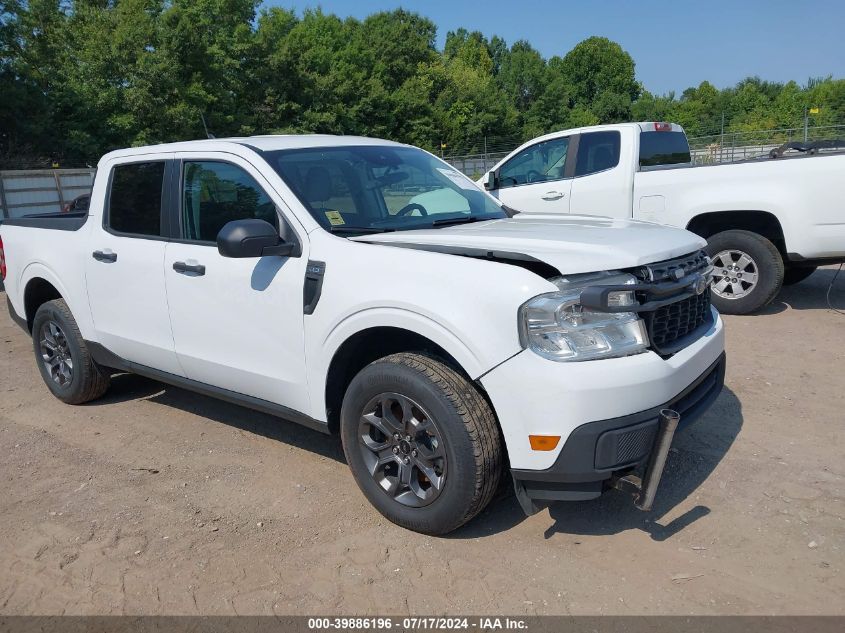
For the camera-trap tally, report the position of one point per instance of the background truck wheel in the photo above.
(794, 275)
(422, 442)
(62, 357)
(748, 271)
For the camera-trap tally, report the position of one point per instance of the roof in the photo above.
(263, 143)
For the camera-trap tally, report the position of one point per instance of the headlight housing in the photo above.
(556, 326)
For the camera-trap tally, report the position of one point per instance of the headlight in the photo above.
(556, 326)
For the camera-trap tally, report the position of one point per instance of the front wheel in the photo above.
(747, 270)
(422, 442)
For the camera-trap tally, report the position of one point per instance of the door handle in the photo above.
(553, 195)
(182, 267)
(102, 256)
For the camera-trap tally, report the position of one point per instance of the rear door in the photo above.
(536, 179)
(237, 322)
(124, 268)
(601, 185)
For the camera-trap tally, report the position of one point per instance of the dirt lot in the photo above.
(154, 500)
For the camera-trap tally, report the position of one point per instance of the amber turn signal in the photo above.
(543, 442)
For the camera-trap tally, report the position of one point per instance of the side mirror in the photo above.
(489, 180)
(253, 238)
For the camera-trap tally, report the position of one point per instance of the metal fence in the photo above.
(734, 146)
(23, 192)
(715, 148)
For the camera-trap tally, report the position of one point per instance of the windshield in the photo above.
(373, 188)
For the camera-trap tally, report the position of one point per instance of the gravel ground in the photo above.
(157, 501)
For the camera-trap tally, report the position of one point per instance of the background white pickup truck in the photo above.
(768, 222)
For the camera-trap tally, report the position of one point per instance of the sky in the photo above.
(675, 45)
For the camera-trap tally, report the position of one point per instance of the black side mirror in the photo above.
(489, 180)
(253, 238)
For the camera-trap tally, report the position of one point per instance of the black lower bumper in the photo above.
(597, 451)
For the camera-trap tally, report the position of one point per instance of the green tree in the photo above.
(601, 74)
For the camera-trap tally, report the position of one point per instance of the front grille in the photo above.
(673, 326)
(666, 270)
(674, 322)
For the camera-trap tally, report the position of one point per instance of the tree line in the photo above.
(81, 77)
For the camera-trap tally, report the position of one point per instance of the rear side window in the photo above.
(663, 148)
(214, 193)
(597, 151)
(135, 198)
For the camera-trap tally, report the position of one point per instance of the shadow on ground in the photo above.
(696, 452)
(126, 387)
(810, 294)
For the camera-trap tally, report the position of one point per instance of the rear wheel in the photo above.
(796, 275)
(747, 269)
(62, 357)
(422, 443)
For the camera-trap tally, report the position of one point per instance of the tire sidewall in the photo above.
(50, 312)
(767, 261)
(442, 513)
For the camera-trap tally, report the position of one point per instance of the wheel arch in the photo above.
(763, 223)
(369, 344)
(37, 292)
(40, 284)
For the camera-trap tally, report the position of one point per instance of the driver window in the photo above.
(214, 193)
(542, 162)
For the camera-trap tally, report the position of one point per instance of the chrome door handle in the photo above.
(182, 267)
(553, 195)
(102, 256)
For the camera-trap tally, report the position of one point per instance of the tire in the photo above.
(452, 424)
(738, 257)
(62, 357)
(796, 275)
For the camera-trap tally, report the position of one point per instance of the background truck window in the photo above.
(597, 151)
(135, 198)
(663, 148)
(539, 163)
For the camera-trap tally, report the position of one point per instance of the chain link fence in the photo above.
(733, 146)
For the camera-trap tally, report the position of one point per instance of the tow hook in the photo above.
(644, 490)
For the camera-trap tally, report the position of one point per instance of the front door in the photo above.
(237, 323)
(534, 179)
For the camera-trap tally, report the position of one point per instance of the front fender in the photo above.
(475, 364)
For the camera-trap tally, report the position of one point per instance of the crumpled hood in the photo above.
(570, 243)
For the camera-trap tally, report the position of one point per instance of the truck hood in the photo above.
(569, 243)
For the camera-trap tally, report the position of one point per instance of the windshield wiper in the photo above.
(358, 229)
(447, 221)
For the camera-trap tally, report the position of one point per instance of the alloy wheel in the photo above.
(402, 449)
(735, 274)
(55, 353)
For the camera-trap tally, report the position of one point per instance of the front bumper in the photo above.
(597, 451)
(603, 410)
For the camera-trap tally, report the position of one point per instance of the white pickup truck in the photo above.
(301, 276)
(768, 221)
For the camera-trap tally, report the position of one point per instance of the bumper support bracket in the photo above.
(645, 490)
